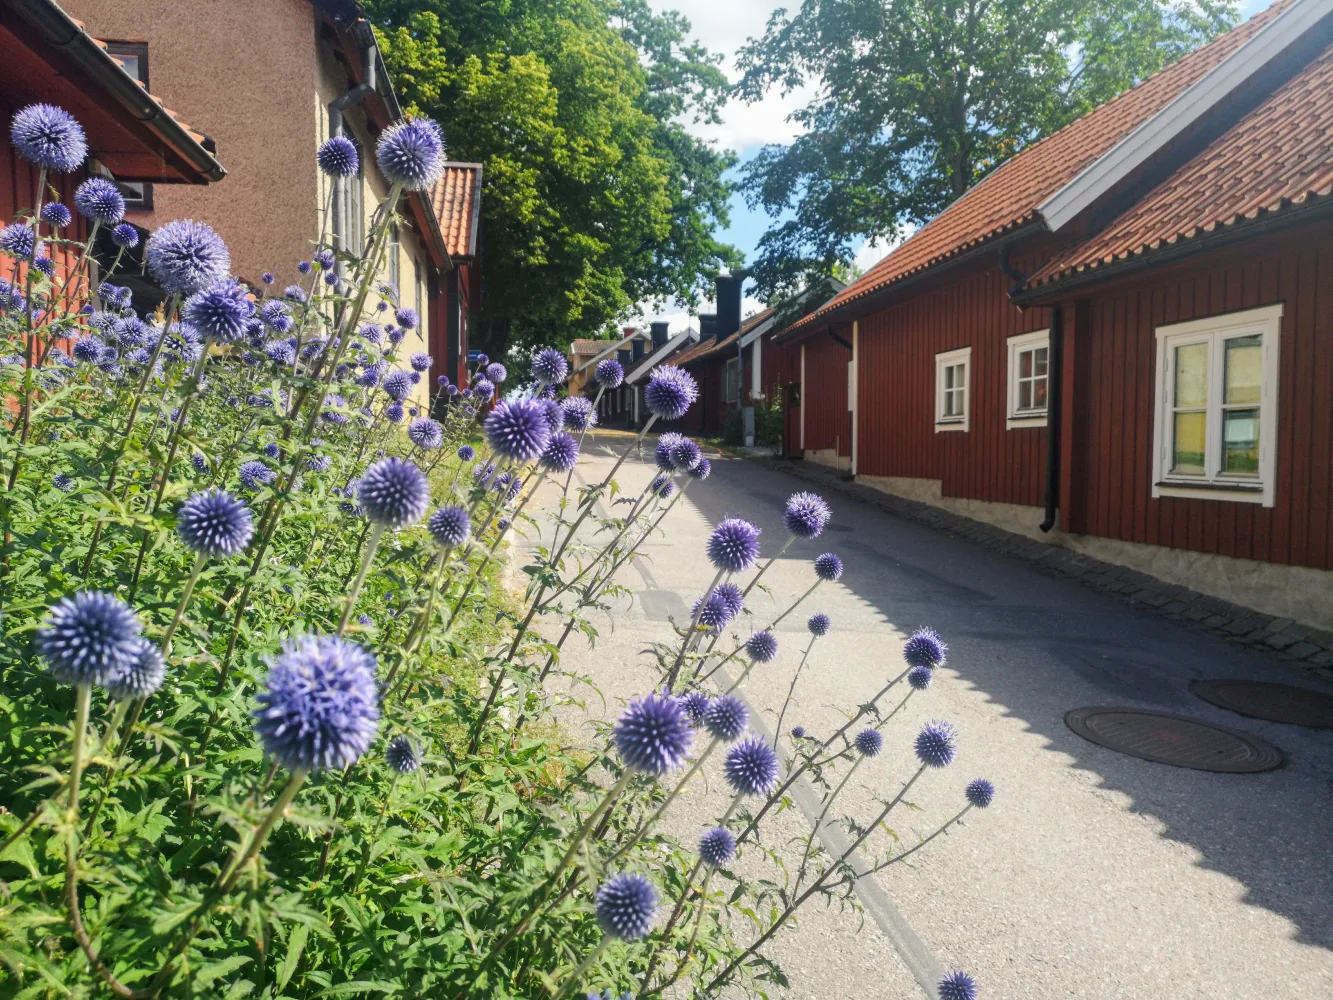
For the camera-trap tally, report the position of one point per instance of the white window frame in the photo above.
(1032, 417)
(1214, 331)
(947, 359)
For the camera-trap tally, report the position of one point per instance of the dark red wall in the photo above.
(827, 421)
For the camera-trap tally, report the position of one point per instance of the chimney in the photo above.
(660, 334)
(636, 345)
(626, 358)
(707, 326)
(729, 302)
(627, 331)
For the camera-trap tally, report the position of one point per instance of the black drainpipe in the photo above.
(1054, 411)
(336, 108)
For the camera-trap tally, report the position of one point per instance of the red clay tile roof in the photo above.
(1008, 198)
(710, 346)
(1277, 157)
(456, 198)
(591, 346)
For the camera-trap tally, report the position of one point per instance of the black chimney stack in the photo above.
(707, 326)
(626, 357)
(636, 345)
(660, 334)
(729, 302)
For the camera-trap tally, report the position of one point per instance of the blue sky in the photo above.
(725, 27)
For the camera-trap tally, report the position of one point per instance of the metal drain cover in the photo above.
(1174, 739)
(1271, 702)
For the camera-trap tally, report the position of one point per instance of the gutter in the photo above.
(65, 34)
(1054, 416)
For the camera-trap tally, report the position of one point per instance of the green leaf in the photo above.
(295, 945)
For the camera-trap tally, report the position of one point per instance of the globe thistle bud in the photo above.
(219, 312)
(579, 414)
(254, 474)
(142, 676)
(869, 742)
(798, 732)
(609, 373)
(695, 703)
(394, 492)
(717, 847)
(496, 373)
(751, 767)
(467, 453)
(401, 755)
(100, 200)
(936, 744)
(702, 470)
(18, 239)
(726, 717)
(550, 366)
(56, 215)
(734, 545)
(670, 392)
(919, 678)
(626, 906)
(425, 433)
(450, 526)
(338, 157)
(653, 735)
(88, 638)
(980, 792)
(762, 647)
(828, 567)
(819, 624)
(420, 361)
(214, 523)
(958, 986)
(925, 648)
(806, 515)
(561, 453)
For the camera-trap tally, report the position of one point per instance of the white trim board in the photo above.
(652, 360)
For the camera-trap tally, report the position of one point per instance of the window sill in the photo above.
(950, 425)
(1230, 492)
(1019, 420)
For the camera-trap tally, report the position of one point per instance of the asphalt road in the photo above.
(1094, 875)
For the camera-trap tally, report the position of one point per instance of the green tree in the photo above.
(917, 100)
(595, 197)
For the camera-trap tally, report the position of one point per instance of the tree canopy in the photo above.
(595, 196)
(917, 100)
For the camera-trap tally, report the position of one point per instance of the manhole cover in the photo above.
(1271, 702)
(1174, 739)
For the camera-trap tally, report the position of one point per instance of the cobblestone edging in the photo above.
(1308, 647)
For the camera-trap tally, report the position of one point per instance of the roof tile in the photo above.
(456, 199)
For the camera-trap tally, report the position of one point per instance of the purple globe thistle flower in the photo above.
(665, 489)
(411, 153)
(670, 392)
(958, 985)
(828, 567)
(685, 454)
(482, 389)
(712, 611)
(325, 258)
(274, 312)
(318, 463)
(609, 373)
(819, 623)
(280, 352)
(61, 480)
(496, 372)
(16, 360)
(751, 767)
(100, 200)
(397, 384)
(401, 755)
(337, 157)
(626, 906)
(199, 462)
(869, 742)
(658, 482)
(294, 292)
(420, 361)
(550, 366)
(18, 239)
(702, 470)
(502, 525)
(798, 732)
(515, 485)
(482, 361)
(254, 474)
(518, 429)
(185, 256)
(734, 545)
(214, 523)
(56, 215)
(762, 647)
(654, 735)
(407, 318)
(664, 452)
(304, 266)
(466, 453)
(371, 334)
(88, 348)
(561, 453)
(501, 481)
(452, 391)
(920, 677)
(394, 334)
(980, 792)
(695, 703)
(142, 676)
(553, 413)
(394, 412)
(219, 312)
(320, 705)
(936, 744)
(394, 492)
(368, 379)
(733, 596)
(925, 648)
(425, 433)
(806, 515)
(717, 847)
(726, 717)
(268, 277)
(88, 638)
(450, 526)
(125, 236)
(45, 265)
(579, 414)
(49, 137)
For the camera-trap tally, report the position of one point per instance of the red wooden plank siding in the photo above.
(824, 394)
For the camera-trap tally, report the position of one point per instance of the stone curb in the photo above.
(1293, 642)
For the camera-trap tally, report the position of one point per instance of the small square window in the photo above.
(1029, 379)
(953, 376)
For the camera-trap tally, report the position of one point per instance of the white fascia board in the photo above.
(659, 355)
(610, 350)
(1183, 111)
(758, 331)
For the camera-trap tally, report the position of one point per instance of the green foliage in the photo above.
(596, 198)
(768, 422)
(917, 100)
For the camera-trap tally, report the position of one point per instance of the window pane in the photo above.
(1192, 375)
(950, 376)
(1025, 395)
(1188, 443)
(1025, 364)
(1244, 357)
(1240, 441)
(1039, 358)
(1039, 394)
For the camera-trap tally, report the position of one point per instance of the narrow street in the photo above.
(1094, 875)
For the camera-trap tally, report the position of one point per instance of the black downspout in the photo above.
(336, 108)
(1054, 413)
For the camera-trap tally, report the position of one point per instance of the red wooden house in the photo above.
(1117, 341)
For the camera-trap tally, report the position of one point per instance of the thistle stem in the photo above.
(372, 543)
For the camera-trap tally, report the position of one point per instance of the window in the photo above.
(1029, 378)
(1214, 433)
(731, 385)
(394, 251)
(348, 219)
(952, 375)
(133, 57)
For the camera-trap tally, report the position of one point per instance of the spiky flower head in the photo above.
(980, 792)
(518, 430)
(869, 742)
(142, 676)
(254, 474)
(579, 414)
(56, 215)
(215, 523)
(394, 492)
(425, 433)
(925, 648)
(695, 704)
(220, 311)
(496, 372)
(663, 452)
(806, 515)
(550, 366)
(819, 623)
(726, 717)
(18, 239)
(319, 463)
(717, 847)
(467, 453)
(751, 767)
(702, 470)
(394, 413)
(125, 236)
(734, 545)
(670, 392)
(100, 200)
(63, 482)
(828, 567)
(685, 453)
(450, 526)
(654, 735)
(920, 677)
(319, 709)
(407, 318)
(936, 744)
(609, 373)
(401, 755)
(561, 453)
(88, 348)
(798, 732)
(626, 906)
(185, 256)
(420, 361)
(712, 612)
(337, 157)
(482, 389)
(88, 638)
(732, 596)
(45, 265)
(397, 384)
(280, 352)
(49, 137)
(958, 985)
(199, 461)
(411, 153)
(762, 646)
